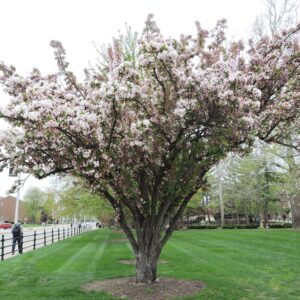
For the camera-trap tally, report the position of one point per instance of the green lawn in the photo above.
(233, 264)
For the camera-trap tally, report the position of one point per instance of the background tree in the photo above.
(289, 189)
(145, 135)
(50, 206)
(244, 183)
(126, 44)
(44, 216)
(196, 207)
(280, 14)
(252, 185)
(78, 202)
(40, 205)
(34, 200)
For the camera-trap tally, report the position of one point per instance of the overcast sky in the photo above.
(27, 26)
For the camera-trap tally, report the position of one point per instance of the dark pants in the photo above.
(15, 240)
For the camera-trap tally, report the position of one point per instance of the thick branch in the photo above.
(174, 220)
(115, 204)
(162, 86)
(55, 171)
(113, 125)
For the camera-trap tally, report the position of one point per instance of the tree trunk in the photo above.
(266, 209)
(246, 213)
(295, 199)
(208, 216)
(180, 223)
(146, 267)
(237, 218)
(151, 232)
(295, 209)
(234, 219)
(221, 202)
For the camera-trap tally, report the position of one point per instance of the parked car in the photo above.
(5, 225)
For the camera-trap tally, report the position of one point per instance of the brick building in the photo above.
(7, 209)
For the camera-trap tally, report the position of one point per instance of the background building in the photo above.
(7, 209)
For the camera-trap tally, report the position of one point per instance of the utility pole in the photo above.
(12, 173)
(221, 195)
(17, 202)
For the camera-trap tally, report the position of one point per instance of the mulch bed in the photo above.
(165, 289)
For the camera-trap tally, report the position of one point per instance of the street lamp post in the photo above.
(221, 195)
(12, 173)
(17, 202)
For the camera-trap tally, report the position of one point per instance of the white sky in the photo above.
(27, 26)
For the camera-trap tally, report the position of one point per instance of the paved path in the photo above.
(28, 233)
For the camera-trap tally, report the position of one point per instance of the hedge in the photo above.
(249, 226)
(285, 225)
(203, 227)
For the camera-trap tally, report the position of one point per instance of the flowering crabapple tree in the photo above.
(144, 132)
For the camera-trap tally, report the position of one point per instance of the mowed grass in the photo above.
(233, 264)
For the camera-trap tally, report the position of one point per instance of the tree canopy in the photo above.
(144, 133)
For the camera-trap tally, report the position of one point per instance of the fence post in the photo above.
(44, 237)
(74, 231)
(34, 240)
(52, 236)
(2, 247)
(58, 234)
(63, 233)
(21, 244)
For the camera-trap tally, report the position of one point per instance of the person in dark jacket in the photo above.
(17, 238)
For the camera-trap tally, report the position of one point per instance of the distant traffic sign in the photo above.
(12, 172)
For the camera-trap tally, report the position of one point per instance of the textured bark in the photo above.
(246, 213)
(151, 239)
(237, 218)
(294, 199)
(146, 267)
(265, 213)
(152, 227)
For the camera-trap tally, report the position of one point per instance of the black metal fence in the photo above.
(39, 239)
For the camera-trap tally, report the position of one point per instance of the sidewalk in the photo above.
(36, 228)
(28, 237)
